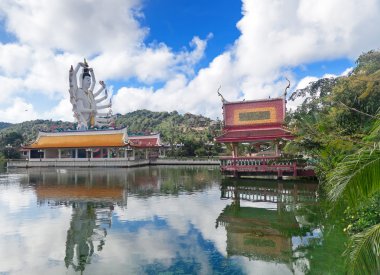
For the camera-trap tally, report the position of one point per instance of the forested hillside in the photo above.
(192, 132)
(4, 125)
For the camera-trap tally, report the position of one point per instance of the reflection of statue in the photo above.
(84, 230)
(85, 104)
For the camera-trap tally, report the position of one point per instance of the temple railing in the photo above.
(305, 192)
(266, 165)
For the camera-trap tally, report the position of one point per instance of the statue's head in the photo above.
(86, 79)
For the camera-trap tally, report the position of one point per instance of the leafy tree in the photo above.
(189, 129)
(338, 123)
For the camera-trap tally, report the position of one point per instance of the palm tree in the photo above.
(353, 182)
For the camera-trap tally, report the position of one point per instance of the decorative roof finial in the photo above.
(85, 62)
(287, 87)
(219, 94)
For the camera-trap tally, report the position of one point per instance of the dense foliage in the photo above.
(186, 135)
(4, 125)
(338, 124)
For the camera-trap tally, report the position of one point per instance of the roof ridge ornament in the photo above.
(221, 96)
(286, 89)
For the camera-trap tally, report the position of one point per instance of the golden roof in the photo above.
(80, 139)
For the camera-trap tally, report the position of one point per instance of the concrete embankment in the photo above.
(106, 162)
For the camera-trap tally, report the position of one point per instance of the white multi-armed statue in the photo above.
(85, 103)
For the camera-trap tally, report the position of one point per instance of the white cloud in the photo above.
(275, 36)
(347, 71)
(15, 59)
(304, 82)
(19, 110)
(62, 111)
(84, 27)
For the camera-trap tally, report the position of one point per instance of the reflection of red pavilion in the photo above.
(261, 233)
(258, 124)
(258, 233)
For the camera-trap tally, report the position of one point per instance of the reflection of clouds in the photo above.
(31, 241)
(153, 245)
(261, 267)
(298, 242)
(14, 198)
(199, 209)
(134, 249)
(36, 244)
(262, 205)
(160, 232)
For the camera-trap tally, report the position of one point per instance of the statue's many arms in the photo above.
(86, 104)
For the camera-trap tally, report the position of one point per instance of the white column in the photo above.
(59, 153)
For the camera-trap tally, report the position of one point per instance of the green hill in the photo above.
(192, 131)
(4, 125)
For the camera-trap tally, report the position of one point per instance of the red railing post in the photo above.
(295, 169)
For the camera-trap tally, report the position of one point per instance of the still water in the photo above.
(162, 220)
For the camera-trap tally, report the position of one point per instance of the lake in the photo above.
(163, 220)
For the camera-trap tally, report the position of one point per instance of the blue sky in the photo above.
(177, 22)
(173, 55)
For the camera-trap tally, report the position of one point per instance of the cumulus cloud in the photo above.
(15, 59)
(19, 110)
(84, 27)
(275, 36)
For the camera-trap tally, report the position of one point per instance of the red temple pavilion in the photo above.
(258, 124)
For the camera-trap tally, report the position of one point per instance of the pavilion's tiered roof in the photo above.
(255, 135)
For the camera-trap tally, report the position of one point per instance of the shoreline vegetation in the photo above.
(337, 125)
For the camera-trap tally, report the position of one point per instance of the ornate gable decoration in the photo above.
(254, 113)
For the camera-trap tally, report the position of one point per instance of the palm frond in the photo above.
(374, 135)
(356, 178)
(363, 252)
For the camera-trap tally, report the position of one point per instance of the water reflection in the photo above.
(273, 222)
(93, 194)
(86, 227)
(160, 219)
